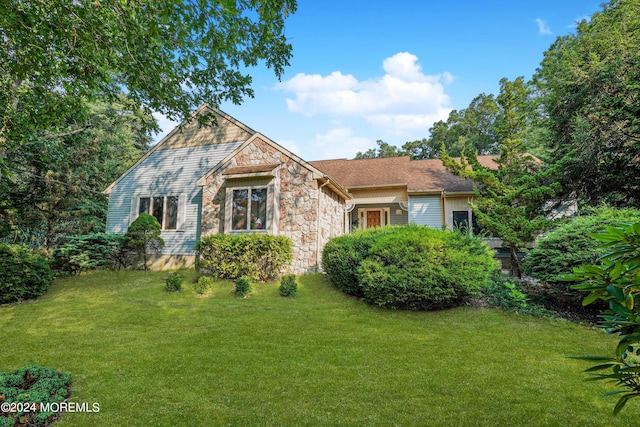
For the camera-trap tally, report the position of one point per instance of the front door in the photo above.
(373, 219)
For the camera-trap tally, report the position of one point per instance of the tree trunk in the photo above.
(515, 262)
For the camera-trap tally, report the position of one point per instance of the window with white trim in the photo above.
(249, 209)
(163, 208)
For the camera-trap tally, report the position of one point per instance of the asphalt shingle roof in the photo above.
(417, 175)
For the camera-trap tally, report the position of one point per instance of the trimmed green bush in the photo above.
(25, 274)
(342, 256)
(243, 286)
(90, 252)
(260, 257)
(204, 285)
(421, 268)
(567, 247)
(288, 285)
(571, 246)
(30, 386)
(173, 282)
(143, 237)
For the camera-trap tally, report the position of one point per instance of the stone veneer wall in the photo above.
(299, 199)
(331, 217)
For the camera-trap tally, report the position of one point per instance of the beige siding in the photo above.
(455, 204)
(378, 196)
(194, 135)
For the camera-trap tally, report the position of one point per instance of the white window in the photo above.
(249, 209)
(166, 209)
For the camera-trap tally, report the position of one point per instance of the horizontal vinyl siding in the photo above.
(426, 210)
(168, 173)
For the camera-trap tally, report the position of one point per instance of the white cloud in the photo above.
(339, 143)
(403, 97)
(543, 28)
(291, 146)
(166, 125)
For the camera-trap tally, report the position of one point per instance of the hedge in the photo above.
(260, 257)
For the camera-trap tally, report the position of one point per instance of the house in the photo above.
(398, 190)
(231, 179)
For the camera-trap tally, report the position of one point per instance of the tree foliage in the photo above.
(384, 150)
(509, 199)
(168, 56)
(589, 85)
(53, 187)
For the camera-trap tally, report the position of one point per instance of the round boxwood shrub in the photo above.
(204, 285)
(25, 274)
(421, 268)
(342, 256)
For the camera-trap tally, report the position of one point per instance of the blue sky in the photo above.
(368, 70)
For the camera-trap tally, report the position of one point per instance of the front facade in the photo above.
(230, 179)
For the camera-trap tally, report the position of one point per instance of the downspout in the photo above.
(318, 234)
(443, 210)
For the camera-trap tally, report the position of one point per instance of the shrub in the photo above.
(288, 285)
(243, 287)
(204, 285)
(173, 282)
(143, 236)
(342, 256)
(511, 295)
(89, 252)
(567, 247)
(421, 268)
(258, 256)
(32, 385)
(570, 245)
(25, 274)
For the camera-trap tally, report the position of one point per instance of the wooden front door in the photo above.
(373, 219)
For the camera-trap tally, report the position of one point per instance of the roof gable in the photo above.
(190, 134)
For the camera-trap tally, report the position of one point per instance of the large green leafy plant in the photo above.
(617, 281)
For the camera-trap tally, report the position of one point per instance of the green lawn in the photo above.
(150, 358)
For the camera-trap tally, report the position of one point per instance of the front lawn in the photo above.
(152, 358)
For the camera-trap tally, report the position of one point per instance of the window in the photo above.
(249, 209)
(461, 221)
(164, 209)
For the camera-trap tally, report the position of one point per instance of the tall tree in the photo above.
(466, 130)
(168, 56)
(509, 201)
(589, 84)
(384, 150)
(53, 187)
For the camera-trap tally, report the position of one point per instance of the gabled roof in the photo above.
(191, 134)
(428, 175)
(317, 174)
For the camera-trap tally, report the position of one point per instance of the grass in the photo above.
(149, 357)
